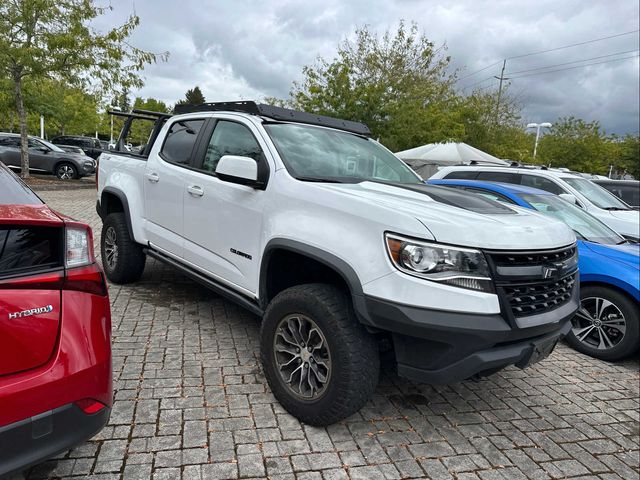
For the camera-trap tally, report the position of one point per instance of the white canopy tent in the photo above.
(425, 159)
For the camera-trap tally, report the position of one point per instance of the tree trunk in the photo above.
(22, 119)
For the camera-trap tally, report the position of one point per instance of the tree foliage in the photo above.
(53, 39)
(575, 144)
(397, 83)
(193, 96)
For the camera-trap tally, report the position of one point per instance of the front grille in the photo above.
(535, 298)
(508, 259)
(534, 282)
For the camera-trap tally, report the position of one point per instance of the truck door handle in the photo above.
(152, 177)
(195, 190)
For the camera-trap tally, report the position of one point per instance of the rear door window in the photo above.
(462, 175)
(10, 141)
(542, 183)
(502, 177)
(180, 141)
(14, 192)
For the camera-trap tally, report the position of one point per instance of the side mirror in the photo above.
(569, 197)
(43, 149)
(237, 169)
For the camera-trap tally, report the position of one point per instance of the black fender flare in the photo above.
(101, 206)
(337, 264)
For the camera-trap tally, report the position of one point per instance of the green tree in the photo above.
(193, 96)
(577, 145)
(625, 154)
(398, 84)
(141, 129)
(53, 38)
(124, 103)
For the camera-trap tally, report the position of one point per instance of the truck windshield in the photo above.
(325, 155)
(582, 223)
(597, 195)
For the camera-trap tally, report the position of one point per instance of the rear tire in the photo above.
(606, 326)
(122, 258)
(66, 171)
(331, 341)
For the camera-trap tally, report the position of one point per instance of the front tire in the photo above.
(320, 363)
(606, 326)
(66, 171)
(122, 258)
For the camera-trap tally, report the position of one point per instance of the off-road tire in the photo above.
(631, 340)
(355, 363)
(129, 259)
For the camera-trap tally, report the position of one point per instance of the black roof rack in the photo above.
(150, 113)
(277, 113)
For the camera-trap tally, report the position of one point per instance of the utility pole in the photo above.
(501, 78)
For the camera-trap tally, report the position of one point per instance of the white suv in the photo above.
(591, 197)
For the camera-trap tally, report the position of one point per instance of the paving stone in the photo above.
(191, 402)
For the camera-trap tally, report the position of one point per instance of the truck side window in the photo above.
(180, 140)
(230, 138)
(541, 183)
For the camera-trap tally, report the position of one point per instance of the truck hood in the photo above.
(461, 218)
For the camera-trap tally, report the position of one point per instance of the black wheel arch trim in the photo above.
(330, 260)
(102, 211)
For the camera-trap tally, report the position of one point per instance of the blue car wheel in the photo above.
(606, 326)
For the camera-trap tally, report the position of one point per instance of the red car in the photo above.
(55, 331)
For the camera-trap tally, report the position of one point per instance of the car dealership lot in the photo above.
(191, 401)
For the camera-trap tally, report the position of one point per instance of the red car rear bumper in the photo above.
(38, 412)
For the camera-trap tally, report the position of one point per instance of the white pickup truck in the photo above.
(339, 247)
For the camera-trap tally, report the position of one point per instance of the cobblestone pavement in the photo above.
(191, 402)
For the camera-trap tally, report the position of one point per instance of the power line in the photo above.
(477, 83)
(569, 63)
(478, 71)
(549, 50)
(577, 66)
(574, 44)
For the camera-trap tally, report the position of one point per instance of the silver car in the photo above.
(45, 157)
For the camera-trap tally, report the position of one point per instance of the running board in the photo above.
(211, 284)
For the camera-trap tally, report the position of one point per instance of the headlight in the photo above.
(460, 267)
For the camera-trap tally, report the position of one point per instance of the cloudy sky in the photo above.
(250, 49)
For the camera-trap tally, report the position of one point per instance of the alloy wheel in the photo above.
(65, 172)
(110, 248)
(599, 323)
(302, 356)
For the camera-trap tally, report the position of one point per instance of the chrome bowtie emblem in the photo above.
(31, 311)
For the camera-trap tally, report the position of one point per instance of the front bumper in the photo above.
(439, 347)
(89, 168)
(27, 442)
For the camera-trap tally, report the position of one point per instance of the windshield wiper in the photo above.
(613, 209)
(305, 178)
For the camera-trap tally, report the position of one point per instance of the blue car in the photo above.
(606, 326)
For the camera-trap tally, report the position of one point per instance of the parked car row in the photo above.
(587, 195)
(45, 157)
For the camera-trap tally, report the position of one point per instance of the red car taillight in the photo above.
(81, 272)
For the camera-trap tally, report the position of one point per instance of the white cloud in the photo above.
(250, 49)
